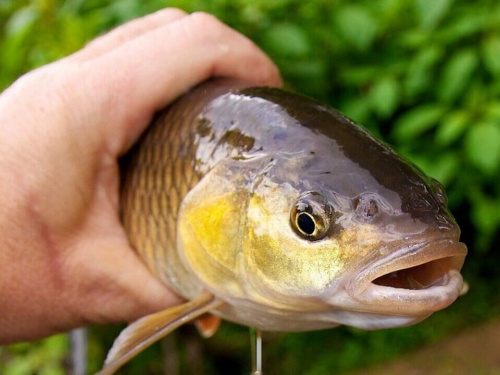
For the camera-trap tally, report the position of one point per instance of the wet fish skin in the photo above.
(249, 145)
(292, 216)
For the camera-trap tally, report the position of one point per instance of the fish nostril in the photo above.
(366, 208)
(371, 209)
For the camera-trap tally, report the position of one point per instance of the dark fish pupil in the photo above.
(306, 224)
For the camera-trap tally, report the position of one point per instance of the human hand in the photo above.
(65, 259)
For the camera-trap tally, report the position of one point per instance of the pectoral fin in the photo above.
(151, 328)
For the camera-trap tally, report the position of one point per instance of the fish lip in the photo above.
(389, 299)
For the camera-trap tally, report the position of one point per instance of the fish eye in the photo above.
(310, 216)
(306, 223)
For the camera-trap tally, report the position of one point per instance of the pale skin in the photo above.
(64, 256)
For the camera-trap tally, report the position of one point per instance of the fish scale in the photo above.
(162, 175)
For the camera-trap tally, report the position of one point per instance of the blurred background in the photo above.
(424, 75)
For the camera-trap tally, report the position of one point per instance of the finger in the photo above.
(116, 285)
(126, 32)
(125, 300)
(148, 72)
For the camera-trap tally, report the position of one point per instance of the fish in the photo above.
(272, 210)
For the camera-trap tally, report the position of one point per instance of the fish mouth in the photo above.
(416, 279)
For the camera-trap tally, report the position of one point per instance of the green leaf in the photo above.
(445, 168)
(442, 167)
(419, 73)
(427, 57)
(303, 68)
(358, 110)
(451, 128)
(457, 74)
(492, 110)
(52, 370)
(491, 54)
(464, 26)
(485, 215)
(287, 40)
(356, 25)
(358, 75)
(21, 21)
(417, 121)
(432, 11)
(482, 145)
(384, 96)
(5, 5)
(19, 366)
(413, 39)
(57, 345)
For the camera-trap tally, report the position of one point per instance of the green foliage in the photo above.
(44, 357)
(423, 74)
(417, 121)
(482, 145)
(355, 25)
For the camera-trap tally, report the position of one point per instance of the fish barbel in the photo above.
(272, 210)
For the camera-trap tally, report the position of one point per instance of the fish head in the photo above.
(359, 260)
(370, 258)
(344, 229)
(318, 224)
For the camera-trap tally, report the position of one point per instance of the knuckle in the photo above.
(26, 84)
(205, 20)
(206, 30)
(173, 12)
(50, 84)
